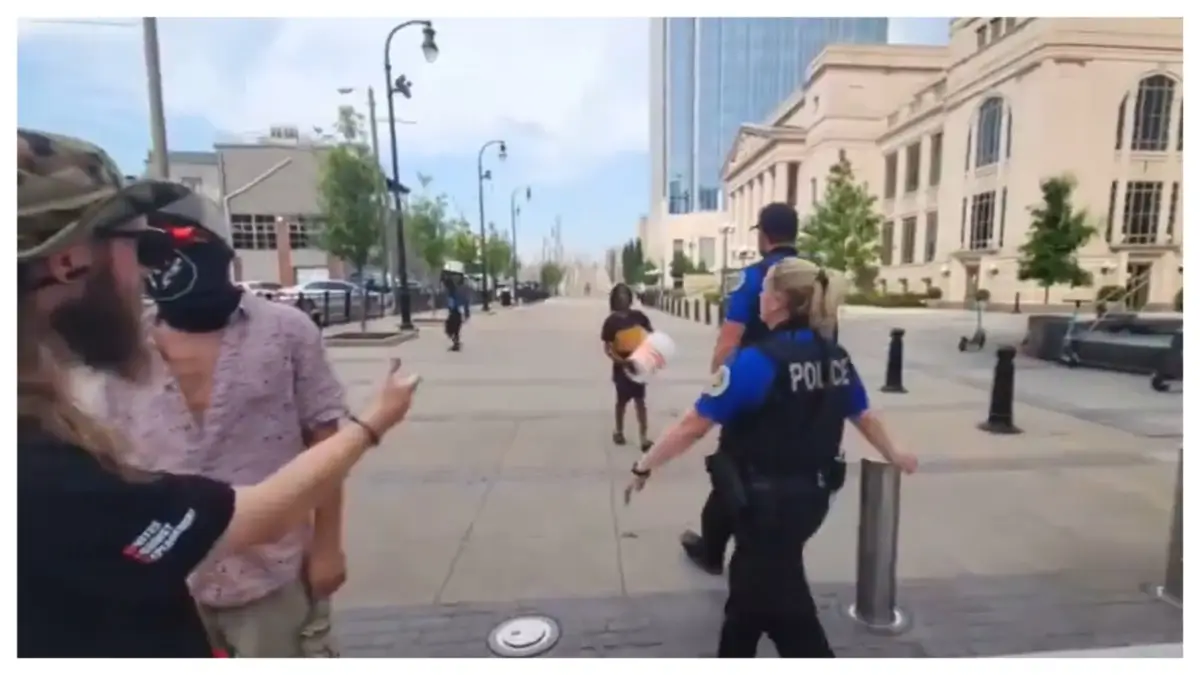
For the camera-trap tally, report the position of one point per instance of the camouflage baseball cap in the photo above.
(67, 187)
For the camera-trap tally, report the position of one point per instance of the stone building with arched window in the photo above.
(955, 141)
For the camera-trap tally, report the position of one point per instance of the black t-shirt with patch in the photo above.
(625, 330)
(102, 562)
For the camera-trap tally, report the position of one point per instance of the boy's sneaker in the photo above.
(618, 438)
(646, 445)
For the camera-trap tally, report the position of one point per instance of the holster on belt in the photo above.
(727, 482)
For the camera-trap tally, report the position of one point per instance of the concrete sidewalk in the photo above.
(501, 494)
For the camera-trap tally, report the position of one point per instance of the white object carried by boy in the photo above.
(650, 357)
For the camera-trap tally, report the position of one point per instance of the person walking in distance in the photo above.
(458, 306)
(104, 548)
(622, 332)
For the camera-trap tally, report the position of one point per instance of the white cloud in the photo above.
(566, 93)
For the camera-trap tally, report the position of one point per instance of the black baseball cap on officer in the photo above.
(779, 222)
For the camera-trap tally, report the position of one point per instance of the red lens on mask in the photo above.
(183, 234)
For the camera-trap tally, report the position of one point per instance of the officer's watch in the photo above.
(640, 473)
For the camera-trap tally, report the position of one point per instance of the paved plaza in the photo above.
(501, 496)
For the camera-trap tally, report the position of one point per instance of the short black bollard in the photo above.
(696, 310)
(895, 364)
(707, 313)
(1017, 304)
(1000, 411)
(721, 313)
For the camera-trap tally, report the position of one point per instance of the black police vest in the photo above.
(756, 330)
(794, 433)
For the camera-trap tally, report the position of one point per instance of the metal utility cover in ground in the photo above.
(524, 637)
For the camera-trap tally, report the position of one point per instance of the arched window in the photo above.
(1152, 114)
(987, 132)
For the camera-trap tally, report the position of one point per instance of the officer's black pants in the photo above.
(454, 321)
(716, 527)
(769, 593)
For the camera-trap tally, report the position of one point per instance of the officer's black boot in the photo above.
(697, 551)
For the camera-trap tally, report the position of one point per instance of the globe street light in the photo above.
(403, 86)
(482, 220)
(516, 211)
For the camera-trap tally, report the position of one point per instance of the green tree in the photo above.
(633, 263)
(1056, 233)
(464, 245)
(551, 275)
(843, 231)
(428, 229)
(681, 265)
(350, 190)
(498, 253)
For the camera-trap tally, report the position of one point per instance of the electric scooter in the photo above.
(1068, 356)
(979, 338)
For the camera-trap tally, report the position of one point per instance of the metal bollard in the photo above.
(1171, 590)
(696, 310)
(1000, 409)
(721, 313)
(895, 364)
(1017, 304)
(707, 313)
(878, 545)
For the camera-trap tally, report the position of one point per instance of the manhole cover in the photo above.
(524, 636)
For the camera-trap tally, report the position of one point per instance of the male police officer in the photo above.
(782, 404)
(778, 225)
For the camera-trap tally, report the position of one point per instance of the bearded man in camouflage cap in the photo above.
(82, 238)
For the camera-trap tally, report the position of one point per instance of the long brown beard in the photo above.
(103, 330)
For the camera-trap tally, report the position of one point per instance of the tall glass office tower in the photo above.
(710, 76)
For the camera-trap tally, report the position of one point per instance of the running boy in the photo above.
(623, 331)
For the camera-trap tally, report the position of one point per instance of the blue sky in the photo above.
(570, 96)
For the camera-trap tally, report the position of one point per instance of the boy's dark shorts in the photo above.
(627, 389)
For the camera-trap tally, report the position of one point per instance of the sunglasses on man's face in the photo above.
(154, 247)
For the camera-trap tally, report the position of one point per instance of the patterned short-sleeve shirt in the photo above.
(271, 382)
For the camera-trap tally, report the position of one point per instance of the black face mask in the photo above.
(193, 291)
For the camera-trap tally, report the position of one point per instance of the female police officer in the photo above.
(782, 403)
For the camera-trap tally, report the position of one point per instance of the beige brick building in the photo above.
(955, 140)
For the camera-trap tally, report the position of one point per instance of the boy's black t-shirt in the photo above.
(102, 561)
(625, 330)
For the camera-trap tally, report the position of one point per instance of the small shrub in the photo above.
(934, 293)
(982, 295)
(712, 297)
(1179, 300)
(1109, 293)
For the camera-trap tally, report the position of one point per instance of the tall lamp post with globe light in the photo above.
(403, 87)
(516, 211)
(482, 220)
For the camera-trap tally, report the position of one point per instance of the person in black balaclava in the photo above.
(194, 292)
(250, 382)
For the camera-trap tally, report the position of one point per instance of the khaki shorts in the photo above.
(284, 624)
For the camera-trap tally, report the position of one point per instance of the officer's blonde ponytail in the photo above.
(809, 291)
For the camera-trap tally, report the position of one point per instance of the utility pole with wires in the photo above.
(158, 120)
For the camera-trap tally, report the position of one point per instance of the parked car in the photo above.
(333, 300)
(263, 289)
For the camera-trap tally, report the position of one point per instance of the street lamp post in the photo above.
(725, 232)
(402, 85)
(482, 220)
(516, 211)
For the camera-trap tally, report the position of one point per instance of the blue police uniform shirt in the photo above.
(743, 300)
(745, 380)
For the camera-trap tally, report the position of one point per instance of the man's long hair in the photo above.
(45, 402)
